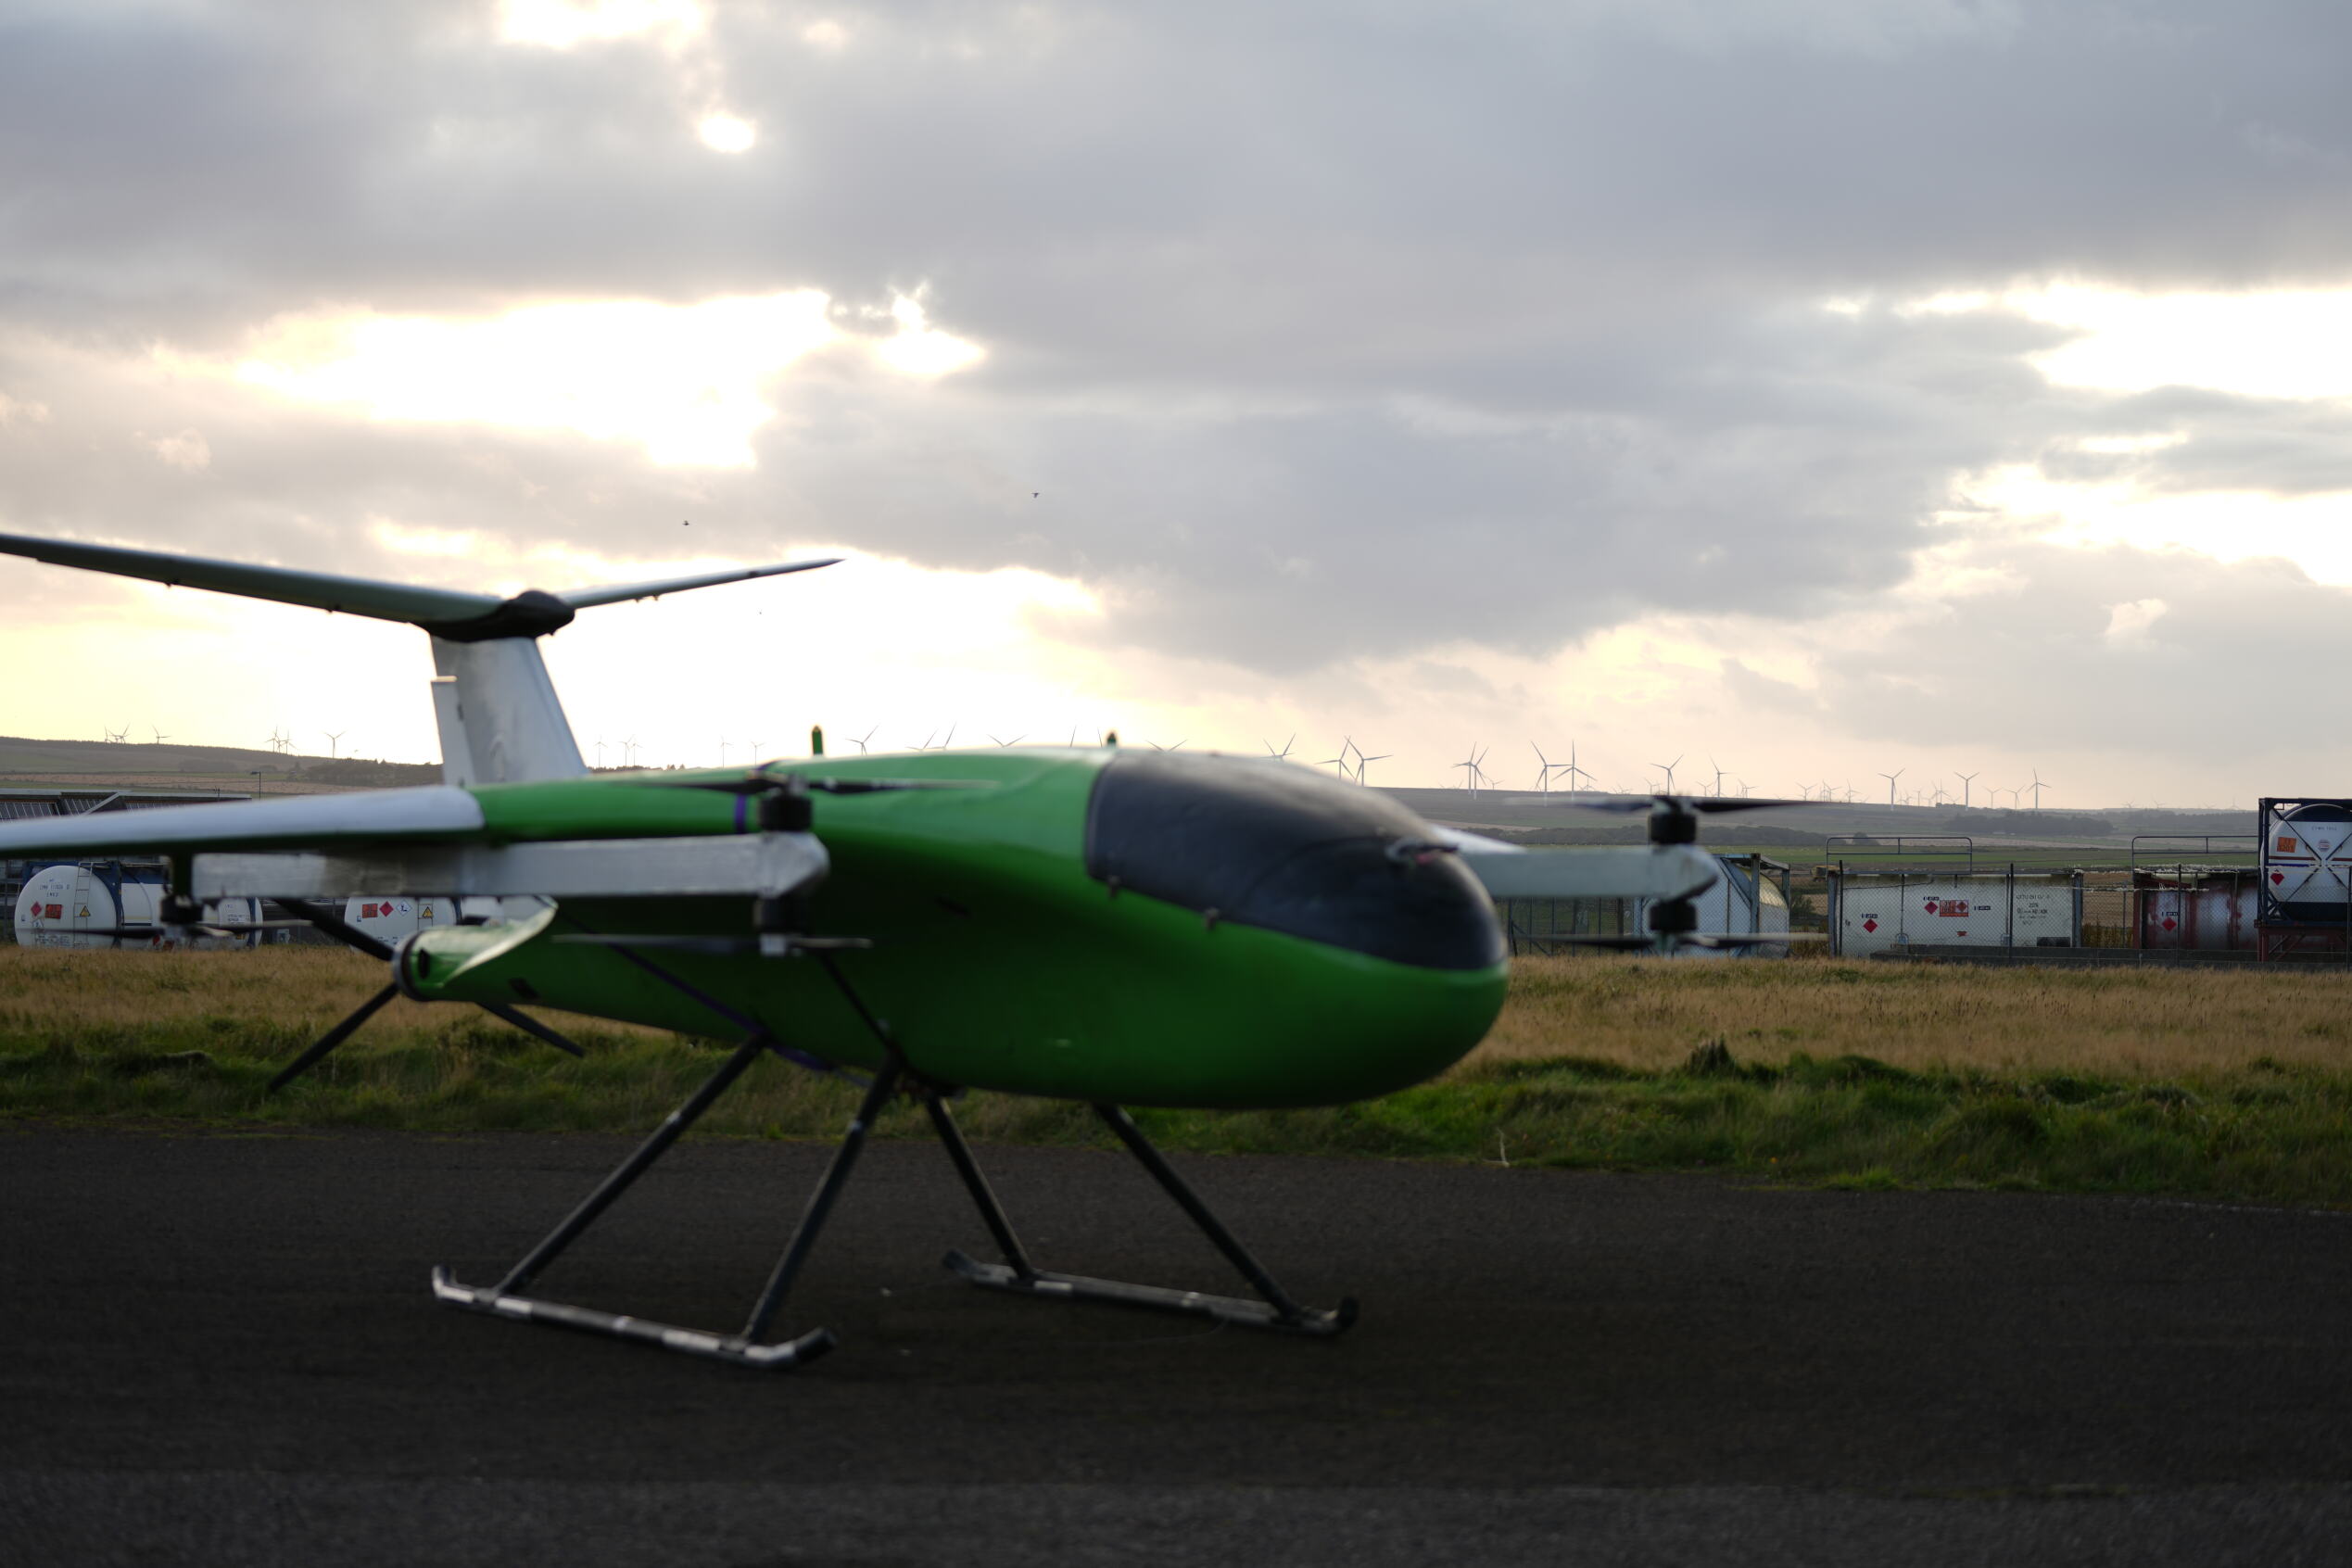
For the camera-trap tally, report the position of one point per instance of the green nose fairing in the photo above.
(997, 962)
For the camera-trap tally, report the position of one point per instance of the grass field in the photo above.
(2219, 1085)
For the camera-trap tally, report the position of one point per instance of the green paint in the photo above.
(998, 963)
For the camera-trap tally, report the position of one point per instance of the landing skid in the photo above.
(750, 1346)
(1275, 1309)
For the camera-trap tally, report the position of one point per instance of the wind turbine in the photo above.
(1670, 773)
(2038, 786)
(1363, 763)
(1339, 762)
(1282, 755)
(628, 752)
(335, 740)
(1018, 739)
(754, 748)
(723, 745)
(1543, 774)
(1890, 778)
(1966, 787)
(1804, 791)
(1718, 768)
(1154, 744)
(599, 750)
(856, 740)
(159, 737)
(1574, 772)
(1471, 772)
(117, 737)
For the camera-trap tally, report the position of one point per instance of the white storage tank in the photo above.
(69, 906)
(2307, 861)
(1875, 913)
(389, 919)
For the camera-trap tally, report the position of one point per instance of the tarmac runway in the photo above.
(220, 1349)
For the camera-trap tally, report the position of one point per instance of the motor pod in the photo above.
(428, 965)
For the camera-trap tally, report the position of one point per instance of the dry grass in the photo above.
(266, 994)
(2222, 1084)
(2133, 1024)
(1635, 1012)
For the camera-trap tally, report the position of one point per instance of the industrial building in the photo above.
(1750, 897)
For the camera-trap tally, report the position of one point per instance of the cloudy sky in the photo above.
(1822, 386)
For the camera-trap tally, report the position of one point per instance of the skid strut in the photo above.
(1276, 1310)
(749, 1347)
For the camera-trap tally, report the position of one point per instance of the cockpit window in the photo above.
(1279, 847)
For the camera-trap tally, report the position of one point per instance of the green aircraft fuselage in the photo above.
(1124, 926)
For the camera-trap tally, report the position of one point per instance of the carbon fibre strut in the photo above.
(749, 1347)
(1277, 1311)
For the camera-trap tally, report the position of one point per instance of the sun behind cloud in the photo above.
(683, 381)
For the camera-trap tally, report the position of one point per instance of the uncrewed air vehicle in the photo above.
(1116, 927)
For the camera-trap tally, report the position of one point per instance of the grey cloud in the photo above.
(2220, 675)
(1322, 331)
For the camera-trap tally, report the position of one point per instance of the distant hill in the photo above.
(138, 765)
(1799, 822)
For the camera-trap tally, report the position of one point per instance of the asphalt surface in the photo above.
(220, 1349)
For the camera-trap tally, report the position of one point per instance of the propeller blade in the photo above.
(1703, 803)
(530, 1025)
(1696, 939)
(136, 933)
(326, 1043)
(759, 781)
(199, 928)
(713, 946)
(719, 946)
(334, 925)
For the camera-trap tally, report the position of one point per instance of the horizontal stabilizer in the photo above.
(320, 590)
(588, 599)
(447, 614)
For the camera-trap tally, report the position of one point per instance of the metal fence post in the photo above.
(2009, 934)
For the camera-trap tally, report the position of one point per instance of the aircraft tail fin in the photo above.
(500, 719)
